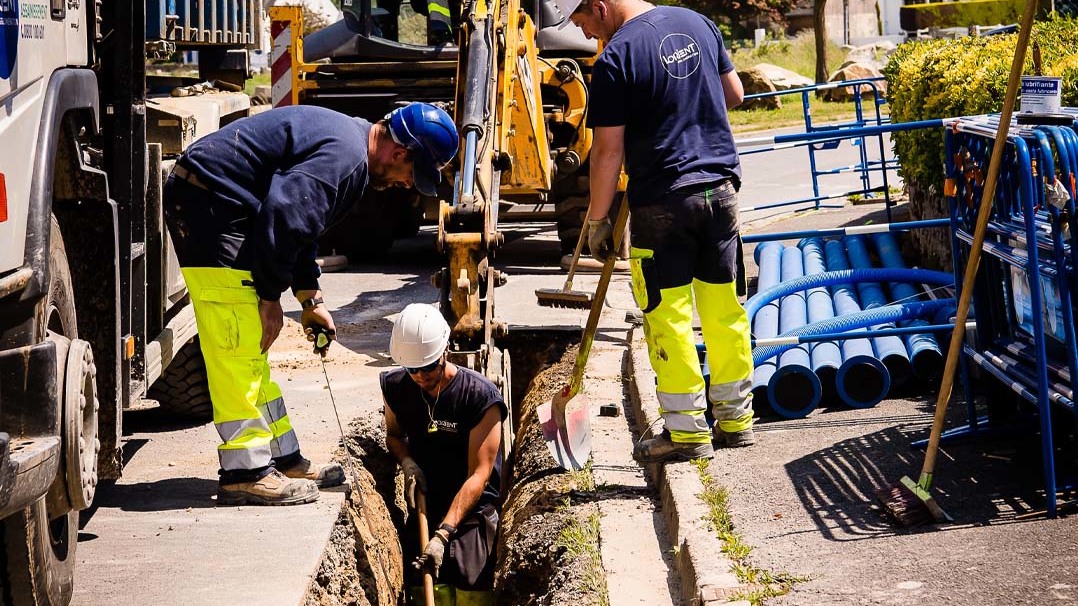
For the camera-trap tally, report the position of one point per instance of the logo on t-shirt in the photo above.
(680, 55)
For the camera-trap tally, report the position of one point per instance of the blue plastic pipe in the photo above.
(862, 380)
(925, 354)
(765, 321)
(794, 390)
(826, 356)
(845, 276)
(854, 321)
(891, 350)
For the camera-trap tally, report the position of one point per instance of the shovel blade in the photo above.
(567, 430)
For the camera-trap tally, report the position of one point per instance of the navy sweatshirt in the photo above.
(281, 178)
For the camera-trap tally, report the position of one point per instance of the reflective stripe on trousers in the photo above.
(672, 350)
(439, 10)
(725, 325)
(248, 409)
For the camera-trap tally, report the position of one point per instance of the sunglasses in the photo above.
(428, 368)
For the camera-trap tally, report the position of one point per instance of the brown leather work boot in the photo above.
(661, 449)
(324, 476)
(737, 439)
(273, 489)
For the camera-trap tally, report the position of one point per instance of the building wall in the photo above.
(859, 16)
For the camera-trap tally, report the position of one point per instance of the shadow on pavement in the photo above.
(978, 482)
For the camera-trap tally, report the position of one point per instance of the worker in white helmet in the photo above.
(444, 426)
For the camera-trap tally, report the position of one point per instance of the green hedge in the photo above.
(946, 78)
(959, 14)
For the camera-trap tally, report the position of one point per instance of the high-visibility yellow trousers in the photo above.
(685, 250)
(248, 409)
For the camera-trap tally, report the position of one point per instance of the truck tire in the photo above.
(37, 544)
(182, 390)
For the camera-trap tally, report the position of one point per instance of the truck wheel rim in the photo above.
(81, 407)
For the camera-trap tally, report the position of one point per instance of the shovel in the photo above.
(428, 578)
(565, 422)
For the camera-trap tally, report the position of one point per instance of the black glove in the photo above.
(600, 239)
(321, 337)
(434, 552)
(413, 480)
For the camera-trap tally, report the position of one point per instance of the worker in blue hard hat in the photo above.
(245, 207)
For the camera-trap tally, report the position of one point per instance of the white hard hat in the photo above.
(420, 335)
(566, 8)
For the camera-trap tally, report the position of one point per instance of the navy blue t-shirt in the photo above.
(659, 78)
(443, 455)
(291, 173)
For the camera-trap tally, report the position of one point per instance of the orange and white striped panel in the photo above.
(283, 24)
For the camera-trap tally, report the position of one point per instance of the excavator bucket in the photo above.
(567, 429)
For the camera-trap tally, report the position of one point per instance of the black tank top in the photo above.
(443, 455)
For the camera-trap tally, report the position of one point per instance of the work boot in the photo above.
(661, 449)
(439, 33)
(272, 489)
(736, 439)
(324, 476)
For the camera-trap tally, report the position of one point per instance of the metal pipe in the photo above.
(826, 357)
(794, 390)
(862, 379)
(847, 231)
(891, 350)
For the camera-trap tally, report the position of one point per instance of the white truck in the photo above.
(93, 311)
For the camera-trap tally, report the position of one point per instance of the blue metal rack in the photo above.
(1025, 334)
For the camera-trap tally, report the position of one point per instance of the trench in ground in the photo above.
(548, 544)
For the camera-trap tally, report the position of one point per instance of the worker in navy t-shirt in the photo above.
(245, 206)
(659, 95)
(444, 426)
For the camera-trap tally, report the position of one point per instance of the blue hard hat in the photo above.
(432, 137)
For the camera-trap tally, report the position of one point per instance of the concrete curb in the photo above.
(705, 571)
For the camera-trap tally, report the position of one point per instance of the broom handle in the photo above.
(576, 256)
(428, 578)
(974, 261)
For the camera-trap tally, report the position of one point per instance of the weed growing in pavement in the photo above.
(584, 479)
(580, 540)
(763, 583)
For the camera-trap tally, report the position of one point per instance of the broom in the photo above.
(909, 502)
(565, 296)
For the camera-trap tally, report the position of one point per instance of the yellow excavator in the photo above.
(517, 86)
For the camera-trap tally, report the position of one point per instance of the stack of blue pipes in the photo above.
(827, 288)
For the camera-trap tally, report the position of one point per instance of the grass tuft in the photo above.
(580, 540)
(765, 584)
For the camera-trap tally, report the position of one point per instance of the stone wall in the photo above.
(927, 248)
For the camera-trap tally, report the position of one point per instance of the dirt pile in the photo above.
(362, 564)
(543, 552)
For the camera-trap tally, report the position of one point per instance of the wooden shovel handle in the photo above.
(428, 578)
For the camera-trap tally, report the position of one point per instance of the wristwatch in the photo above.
(311, 303)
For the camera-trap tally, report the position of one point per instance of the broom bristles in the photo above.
(574, 299)
(910, 505)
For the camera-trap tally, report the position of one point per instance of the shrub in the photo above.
(968, 76)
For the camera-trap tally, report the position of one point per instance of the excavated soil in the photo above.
(536, 564)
